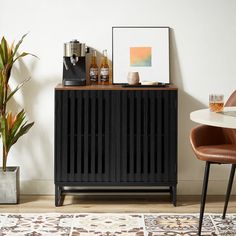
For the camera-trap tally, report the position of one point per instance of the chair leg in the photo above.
(231, 180)
(203, 197)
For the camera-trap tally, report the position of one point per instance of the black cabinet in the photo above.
(111, 137)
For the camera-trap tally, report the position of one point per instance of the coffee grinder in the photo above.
(74, 63)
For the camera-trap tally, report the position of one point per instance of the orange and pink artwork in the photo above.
(140, 56)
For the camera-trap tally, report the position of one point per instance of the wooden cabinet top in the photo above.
(113, 87)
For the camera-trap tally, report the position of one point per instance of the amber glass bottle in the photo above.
(104, 69)
(93, 69)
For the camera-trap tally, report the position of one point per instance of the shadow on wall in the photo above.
(37, 143)
(186, 104)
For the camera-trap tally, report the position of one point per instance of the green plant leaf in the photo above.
(5, 50)
(23, 55)
(1, 59)
(18, 45)
(16, 89)
(4, 130)
(23, 130)
(16, 126)
(1, 91)
(19, 119)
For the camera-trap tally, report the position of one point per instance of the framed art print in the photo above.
(140, 49)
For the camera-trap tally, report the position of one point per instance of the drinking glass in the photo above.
(216, 102)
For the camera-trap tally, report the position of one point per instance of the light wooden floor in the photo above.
(117, 204)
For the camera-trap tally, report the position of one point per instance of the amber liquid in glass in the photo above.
(216, 106)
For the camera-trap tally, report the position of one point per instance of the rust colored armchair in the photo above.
(215, 145)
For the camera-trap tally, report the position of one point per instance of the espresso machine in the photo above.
(74, 63)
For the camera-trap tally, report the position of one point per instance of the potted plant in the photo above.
(12, 125)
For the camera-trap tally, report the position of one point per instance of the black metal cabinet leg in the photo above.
(58, 196)
(203, 197)
(173, 195)
(230, 183)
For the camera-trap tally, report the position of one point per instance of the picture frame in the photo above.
(140, 49)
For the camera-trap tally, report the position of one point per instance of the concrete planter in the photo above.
(9, 185)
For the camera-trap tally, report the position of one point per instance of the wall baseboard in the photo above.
(184, 187)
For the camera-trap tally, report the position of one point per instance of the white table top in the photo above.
(206, 117)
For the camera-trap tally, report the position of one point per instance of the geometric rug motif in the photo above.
(120, 224)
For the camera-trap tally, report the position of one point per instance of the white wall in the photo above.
(203, 59)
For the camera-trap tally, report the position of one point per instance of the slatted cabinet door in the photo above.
(146, 137)
(83, 137)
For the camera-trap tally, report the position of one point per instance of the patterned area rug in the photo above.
(105, 224)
